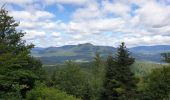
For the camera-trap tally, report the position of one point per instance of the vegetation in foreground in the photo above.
(22, 77)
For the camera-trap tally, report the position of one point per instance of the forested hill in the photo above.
(86, 52)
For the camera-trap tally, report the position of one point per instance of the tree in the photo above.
(123, 57)
(72, 80)
(42, 92)
(158, 82)
(123, 62)
(16, 64)
(97, 76)
(110, 84)
(98, 65)
(119, 80)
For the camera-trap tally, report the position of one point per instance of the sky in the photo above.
(100, 22)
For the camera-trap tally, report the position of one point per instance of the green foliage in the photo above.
(119, 80)
(157, 84)
(141, 69)
(12, 95)
(123, 61)
(98, 66)
(72, 80)
(110, 82)
(42, 92)
(16, 64)
(97, 76)
(123, 57)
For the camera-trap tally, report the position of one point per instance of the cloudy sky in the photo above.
(100, 22)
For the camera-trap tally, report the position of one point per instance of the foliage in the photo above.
(72, 80)
(42, 92)
(110, 84)
(119, 80)
(157, 83)
(16, 64)
(141, 69)
(123, 62)
(97, 76)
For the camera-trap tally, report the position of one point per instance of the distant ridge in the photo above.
(86, 52)
(154, 48)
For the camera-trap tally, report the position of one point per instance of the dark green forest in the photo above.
(24, 77)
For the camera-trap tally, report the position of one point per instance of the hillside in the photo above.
(85, 52)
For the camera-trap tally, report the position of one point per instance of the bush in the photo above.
(42, 92)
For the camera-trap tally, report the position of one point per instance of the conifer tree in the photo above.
(16, 64)
(123, 60)
(110, 84)
(119, 80)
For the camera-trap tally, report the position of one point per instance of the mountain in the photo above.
(80, 53)
(149, 53)
(151, 49)
(86, 52)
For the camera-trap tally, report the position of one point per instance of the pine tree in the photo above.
(16, 64)
(110, 84)
(123, 61)
(119, 80)
(123, 57)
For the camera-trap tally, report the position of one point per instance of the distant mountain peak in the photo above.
(85, 44)
(86, 52)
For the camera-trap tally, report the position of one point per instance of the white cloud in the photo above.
(31, 16)
(55, 34)
(90, 11)
(144, 40)
(117, 8)
(75, 2)
(153, 14)
(161, 30)
(32, 34)
(94, 21)
(91, 27)
(17, 1)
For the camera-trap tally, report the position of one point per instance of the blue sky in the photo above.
(100, 22)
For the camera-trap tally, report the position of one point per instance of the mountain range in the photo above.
(86, 52)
